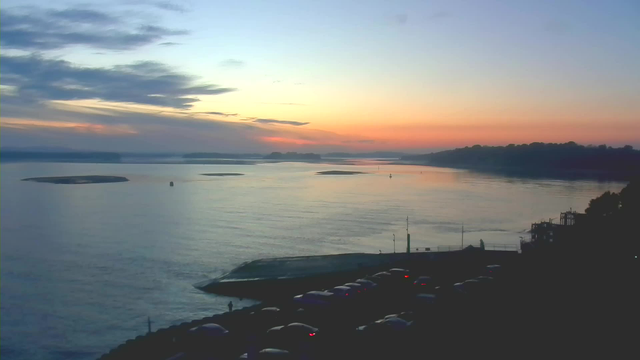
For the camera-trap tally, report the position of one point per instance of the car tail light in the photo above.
(312, 334)
(406, 276)
(423, 284)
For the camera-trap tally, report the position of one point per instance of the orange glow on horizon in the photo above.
(285, 141)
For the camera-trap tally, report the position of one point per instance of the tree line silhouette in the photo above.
(537, 156)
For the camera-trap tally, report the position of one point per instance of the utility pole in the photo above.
(149, 324)
(462, 235)
(408, 237)
(394, 243)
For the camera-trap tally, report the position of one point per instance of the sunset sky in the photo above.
(259, 76)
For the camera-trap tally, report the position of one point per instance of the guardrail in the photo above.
(501, 247)
(448, 248)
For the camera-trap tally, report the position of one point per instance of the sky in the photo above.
(260, 76)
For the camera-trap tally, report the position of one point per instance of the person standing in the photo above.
(230, 305)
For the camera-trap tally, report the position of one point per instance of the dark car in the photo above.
(265, 318)
(398, 273)
(315, 299)
(381, 279)
(384, 326)
(405, 315)
(208, 338)
(494, 270)
(343, 292)
(358, 288)
(368, 284)
(292, 336)
(450, 294)
(208, 332)
(269, 353)
(473, 286)
(424, 284)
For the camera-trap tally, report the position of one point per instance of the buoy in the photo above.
(389, 176)
(171, 183)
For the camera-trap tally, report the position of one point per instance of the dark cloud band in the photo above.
(35, 79)
(40, 30)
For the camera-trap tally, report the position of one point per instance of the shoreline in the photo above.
(553, 174)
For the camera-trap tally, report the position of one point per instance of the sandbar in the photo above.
(339, 172)
(222, 174)
(79, 179)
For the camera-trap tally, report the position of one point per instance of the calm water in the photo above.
(84, 265)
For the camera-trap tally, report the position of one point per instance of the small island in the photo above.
(222, 174)
(339, 172)
(78, 179)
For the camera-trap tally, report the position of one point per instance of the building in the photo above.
(547, 232)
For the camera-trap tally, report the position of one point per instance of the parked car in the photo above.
(398, 273)
(265, 318)
(405, 315)
(494, 270)
(290, 336)
(381, 279)
(368, 284)
(450, 294)
(208, 331)
(383, 326)
(473, 286)
(343, 292)
(315, 299)
(424, 284)
(269, 353)
(208, 338)
(358, 288)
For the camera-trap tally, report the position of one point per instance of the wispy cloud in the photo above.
(280, 122)
(38, 29)
(35, 79)
(169, 43)
(88, 124)
(169, 6)
(232, 63)
(218, 113)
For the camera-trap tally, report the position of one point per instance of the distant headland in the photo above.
(538, 159)
(66, 156)
(79, 179)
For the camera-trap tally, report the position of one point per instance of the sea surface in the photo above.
(83, 266)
